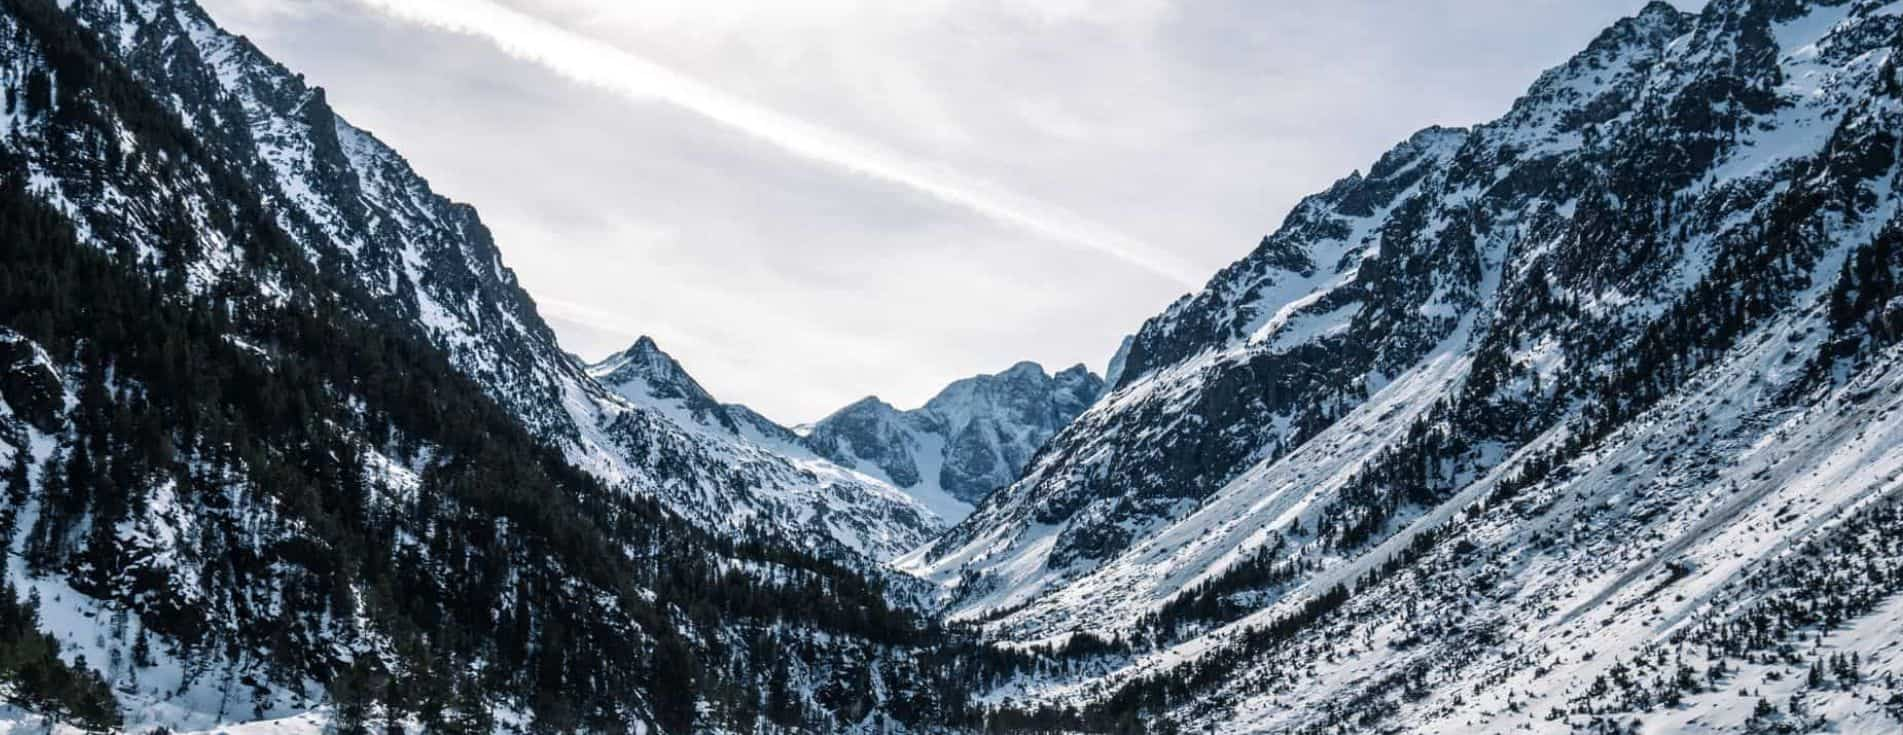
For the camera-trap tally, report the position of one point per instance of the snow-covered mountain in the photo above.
(975, 436)
(282, 433)
(1578, 419)
(1589, 418)
(355, 208)
(649, 377)
(793, 487)
(972, 438)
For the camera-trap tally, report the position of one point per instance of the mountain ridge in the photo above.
(969, 439)
(359, 209)
(1588, 418)
(969, 436)
(287, 444)
(1523, 361)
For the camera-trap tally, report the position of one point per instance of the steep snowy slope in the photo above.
(863, 513)
(1586, 419)
(358, 211)
(969, 440)
(268, 456)
(648, 377)
(1243, 387)
(1578, 417)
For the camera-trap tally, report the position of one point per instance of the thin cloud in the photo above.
(594, 62)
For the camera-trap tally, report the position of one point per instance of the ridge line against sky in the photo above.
(597, 63)
(810, 202)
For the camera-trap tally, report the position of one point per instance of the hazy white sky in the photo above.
(809, 202)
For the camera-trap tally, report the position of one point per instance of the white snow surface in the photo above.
(1722, 477)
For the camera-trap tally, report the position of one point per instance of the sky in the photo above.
(811, 202)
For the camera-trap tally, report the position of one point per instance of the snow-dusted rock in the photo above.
(972, 438)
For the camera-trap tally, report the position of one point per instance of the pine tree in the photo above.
(351, 696)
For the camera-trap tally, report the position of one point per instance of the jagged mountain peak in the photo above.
(643, 345)
(645, 362)
(963, 443)
(651, 378)
(1024, 367)
(969, 439)
(1024, 381)
(1658, 14)
(866, 405)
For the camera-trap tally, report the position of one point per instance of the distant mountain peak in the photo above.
(971, 438)
(644, 370)
(1076, 372)
(1026, 367)
(644, 344)
(868, 403)
(1657, 8)
(644, 352)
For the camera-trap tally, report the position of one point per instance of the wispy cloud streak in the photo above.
(598, 63)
